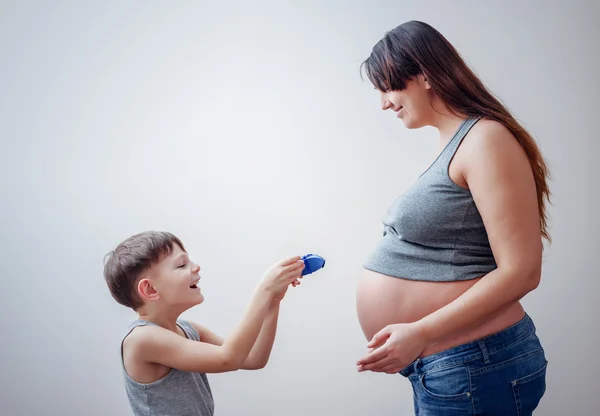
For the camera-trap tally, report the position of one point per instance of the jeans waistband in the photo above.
(485, 346)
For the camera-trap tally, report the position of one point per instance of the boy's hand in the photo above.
(282, 274)
(278, 297)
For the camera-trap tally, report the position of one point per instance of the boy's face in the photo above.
(173, 281)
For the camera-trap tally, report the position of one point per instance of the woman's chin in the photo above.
(411, 123)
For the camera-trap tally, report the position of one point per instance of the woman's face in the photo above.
(412, 105)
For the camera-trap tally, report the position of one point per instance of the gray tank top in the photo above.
(178, 393)
(433, 232)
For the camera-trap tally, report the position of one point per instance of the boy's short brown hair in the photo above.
(131, 258)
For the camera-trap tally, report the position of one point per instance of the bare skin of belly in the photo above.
(384, 300)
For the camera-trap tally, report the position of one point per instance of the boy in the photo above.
(165, 359)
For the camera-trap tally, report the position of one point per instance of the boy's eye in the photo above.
(181, 266)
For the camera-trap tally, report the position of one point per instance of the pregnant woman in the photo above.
(439, 300)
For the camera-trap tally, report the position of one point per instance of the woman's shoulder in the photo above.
(492, 139)
(488, 130)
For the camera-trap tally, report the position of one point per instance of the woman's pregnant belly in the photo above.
(384, 300)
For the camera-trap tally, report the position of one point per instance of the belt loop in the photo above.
(416, 365)
(410, 369)
(484, 351)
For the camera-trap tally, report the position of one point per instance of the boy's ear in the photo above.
(146, 290)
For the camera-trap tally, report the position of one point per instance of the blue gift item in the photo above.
(312, 263)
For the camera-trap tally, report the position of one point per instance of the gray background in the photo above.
(244, 128)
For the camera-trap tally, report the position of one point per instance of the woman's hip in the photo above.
(500, 374)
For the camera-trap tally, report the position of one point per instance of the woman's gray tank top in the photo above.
(178, 393)
(433, 232)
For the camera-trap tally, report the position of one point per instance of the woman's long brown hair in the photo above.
(415, 48)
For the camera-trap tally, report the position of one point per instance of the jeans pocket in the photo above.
(447, 384)
(528, 390)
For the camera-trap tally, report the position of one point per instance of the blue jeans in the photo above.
(501, 374)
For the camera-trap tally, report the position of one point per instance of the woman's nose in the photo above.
(196, 268)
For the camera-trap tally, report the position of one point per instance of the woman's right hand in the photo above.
(281, 274)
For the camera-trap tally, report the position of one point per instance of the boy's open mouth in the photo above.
(194, 284)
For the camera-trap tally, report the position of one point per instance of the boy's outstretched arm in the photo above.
(261, 351)
(153, 344)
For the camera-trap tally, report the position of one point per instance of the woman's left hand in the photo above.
(393, 348)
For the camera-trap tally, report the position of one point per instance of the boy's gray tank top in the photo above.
(434, 232)
(178, 393)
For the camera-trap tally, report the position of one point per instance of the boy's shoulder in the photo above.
(141, 334)
(145, 339)
(145, 333)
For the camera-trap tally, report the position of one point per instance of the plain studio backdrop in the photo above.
(245, 129)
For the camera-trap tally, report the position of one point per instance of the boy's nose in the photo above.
(196, 268)
(385, 103)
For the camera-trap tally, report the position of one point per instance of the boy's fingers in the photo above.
(289, 261)
(294, 267)
(299, 265)
(294, 273)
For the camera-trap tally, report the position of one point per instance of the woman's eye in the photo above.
(182, 266)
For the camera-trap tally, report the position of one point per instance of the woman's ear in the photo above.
(424, 81)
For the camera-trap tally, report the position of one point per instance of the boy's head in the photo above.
(152, 267)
